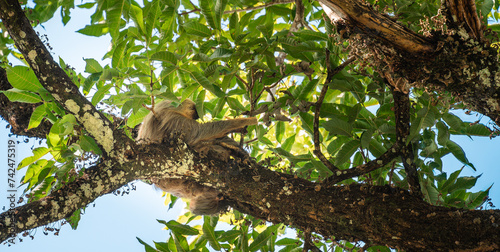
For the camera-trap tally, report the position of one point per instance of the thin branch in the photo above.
(331, 73)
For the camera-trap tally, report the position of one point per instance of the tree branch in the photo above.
(18, 114)
(377, 25)
(53, 78)
(402, 114)
(331, 73)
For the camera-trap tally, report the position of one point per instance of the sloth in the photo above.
(166, 122)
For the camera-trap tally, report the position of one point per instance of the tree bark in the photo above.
(373, 214)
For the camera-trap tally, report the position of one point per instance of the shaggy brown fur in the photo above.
(168, 121)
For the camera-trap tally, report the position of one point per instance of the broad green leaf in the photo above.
(453, 121)
(450, 181)
(346, 152)
(137, 117)
(311, 35)
(180, 243)
(443, 133)
(88, 144)
(262, 238)
(101, 92)
(147, 247)
(37, 154)
(16, 95)
(459, 153)
(477, 199)
(336, 126)
(307, 89)
(37, 116)
(220, 6)
(288, 242)
(203, 81)
(463, 183)
(207, 9)
(431, 194)
(181, 229)
(23, 78)
(92, 66)
(477, 130)
(119, 54)
(95, 30)
(425, 118)
(208, 232)
(165, 57)
(197, 29)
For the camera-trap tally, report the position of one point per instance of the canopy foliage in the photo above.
(339, 104)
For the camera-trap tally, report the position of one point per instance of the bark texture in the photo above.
(373, 214)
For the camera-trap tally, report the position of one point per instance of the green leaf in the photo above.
(137, 117)
(453, 121)
(16, 95)
(450, 181)
(204, 82)
(37, 116)
(207, 9)
(95, 30)
(463, 183)
(307, 35)
(180, 243)
(197, 29)
(431, 194)
(147, 247)
(477, 199)
(288, 242)
(477, 130)
(37, 154)
(88, 144)
(92, 66)
(165, 57)
(307, 89)
(336, 126)
(459, 153)
(425, 118)
(443, 133)
(23, 78)
(119, 54)
(208, 232)
(262, 238)
(220, 6)
(181, 229)
(346, 151)
(101, 92)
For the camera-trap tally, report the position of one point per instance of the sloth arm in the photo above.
(214, 130)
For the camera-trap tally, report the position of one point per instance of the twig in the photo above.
(331, 73)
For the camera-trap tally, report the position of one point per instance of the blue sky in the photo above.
(115, 221)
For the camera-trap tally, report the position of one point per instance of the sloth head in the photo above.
(188, 109)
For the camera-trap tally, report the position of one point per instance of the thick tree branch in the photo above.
(52, 76)
(347, 212)
(381, 27)
(463, 13)
(402, 114)
(465, 67)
